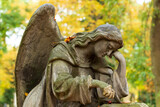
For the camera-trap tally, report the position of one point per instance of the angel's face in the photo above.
(104, 47)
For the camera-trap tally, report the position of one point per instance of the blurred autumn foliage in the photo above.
(7, 64)
(133, 20)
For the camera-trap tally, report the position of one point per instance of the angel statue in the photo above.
(71, 72)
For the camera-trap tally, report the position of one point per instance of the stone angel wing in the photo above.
(40, 36)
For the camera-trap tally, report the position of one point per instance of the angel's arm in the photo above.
(121, 70)
(68, 88)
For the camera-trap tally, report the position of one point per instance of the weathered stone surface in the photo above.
(71, 72)
(126, 105)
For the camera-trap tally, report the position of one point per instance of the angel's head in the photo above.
(107, 35)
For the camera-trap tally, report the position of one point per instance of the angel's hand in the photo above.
(109, 92)
(118, 55)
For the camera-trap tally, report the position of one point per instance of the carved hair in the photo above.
(107, 31)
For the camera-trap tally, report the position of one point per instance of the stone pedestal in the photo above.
(125, 105)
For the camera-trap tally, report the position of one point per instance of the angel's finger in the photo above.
(110, 96)
(113, 93)
(107, 94)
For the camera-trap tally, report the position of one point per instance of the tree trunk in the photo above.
(155, 49)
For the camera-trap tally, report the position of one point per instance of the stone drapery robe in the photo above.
(66, 82)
